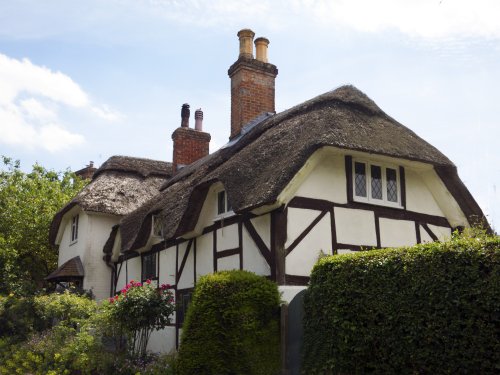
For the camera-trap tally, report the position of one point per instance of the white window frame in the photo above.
(226, 212)
(369, 199)
(74, 229)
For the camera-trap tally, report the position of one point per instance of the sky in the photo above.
(81, 81)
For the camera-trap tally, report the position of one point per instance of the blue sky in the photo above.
(82, 81)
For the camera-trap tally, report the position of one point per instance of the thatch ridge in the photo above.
(343, 118)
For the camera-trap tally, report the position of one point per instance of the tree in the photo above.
(28, 202)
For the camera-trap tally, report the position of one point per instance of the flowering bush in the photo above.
(139, 310)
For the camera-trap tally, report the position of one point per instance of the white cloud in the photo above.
(107, 113)
(426, 19)
(31, 99)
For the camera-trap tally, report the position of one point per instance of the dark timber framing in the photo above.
(324, 207)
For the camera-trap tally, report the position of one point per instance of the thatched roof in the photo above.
(70, 270)
(344, 118)
(118, 187)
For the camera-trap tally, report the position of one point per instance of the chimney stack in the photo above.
(185, 113)
(252, 82)
(261, 45)
(198, 120)
(189, 144)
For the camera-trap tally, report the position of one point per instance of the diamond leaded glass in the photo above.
(360, 179)
(376, 172)
(392, 185)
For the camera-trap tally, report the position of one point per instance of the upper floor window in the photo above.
(74, 228)
(149, 267)
(376, 183)
(223, 205)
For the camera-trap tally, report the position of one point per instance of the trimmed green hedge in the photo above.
(232, 326)
(429, 309)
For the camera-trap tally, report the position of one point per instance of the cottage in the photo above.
(332, 175)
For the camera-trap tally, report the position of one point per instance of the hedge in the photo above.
(232, 326)
(429, 309)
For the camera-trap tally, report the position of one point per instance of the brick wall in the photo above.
(189, 146)
(252, 91)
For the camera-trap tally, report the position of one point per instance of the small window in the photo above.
(377, 184)
(149, 267)
(74, 229)
(157, 226)
(223, 205)
(184, 299)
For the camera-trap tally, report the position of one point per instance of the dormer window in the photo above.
(223, 205)
(157, 226)
(74, 229)
(376, 184)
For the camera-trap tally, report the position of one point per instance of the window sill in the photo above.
(379, 203)
(223, 216)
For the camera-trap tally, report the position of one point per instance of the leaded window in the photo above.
(360, 179)
(376, 183)
(392, 185)
(376, 173)
(149, 266)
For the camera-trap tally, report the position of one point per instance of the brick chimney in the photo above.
(189, 144)
(252, 82)
(87, 172)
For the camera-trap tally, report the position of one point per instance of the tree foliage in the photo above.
(28, 202)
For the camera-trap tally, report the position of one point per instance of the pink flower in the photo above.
(124, 290)
(164, 286)
(138, 284)
(128, 286)
(148, 281)
(111, 300)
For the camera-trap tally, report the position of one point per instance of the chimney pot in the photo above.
(246, 43)
(185, 112)
(261, 45)
(198, 120)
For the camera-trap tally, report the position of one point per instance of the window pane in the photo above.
(360, 179)
(221, 202)
(376, 182)
(392, 185)
(149, 266)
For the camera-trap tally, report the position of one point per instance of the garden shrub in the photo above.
(17, 316)
(65, 308)
(428, 309)
(232, 326)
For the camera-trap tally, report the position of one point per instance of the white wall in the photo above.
(319, 240)
(68, 250)
(97, 273)
(355, 227)
(167, 266)
(186, 279)
(204, 255)
(162, 341)
(418, 196)
(397, 233)
(326, 180)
